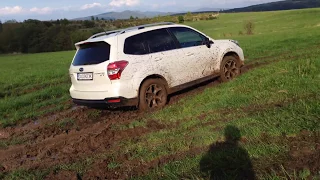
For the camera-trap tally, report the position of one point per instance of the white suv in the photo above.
(140, 66)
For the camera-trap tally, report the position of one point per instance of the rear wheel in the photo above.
(230, 68)
(153, 95)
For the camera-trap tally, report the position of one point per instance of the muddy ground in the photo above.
(53, 139)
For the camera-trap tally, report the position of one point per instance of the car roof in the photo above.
(131, 30)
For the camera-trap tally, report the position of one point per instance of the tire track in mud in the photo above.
(67, 148)
(48, 126)
(46, 146)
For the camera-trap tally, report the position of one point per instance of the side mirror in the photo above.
(209, 43)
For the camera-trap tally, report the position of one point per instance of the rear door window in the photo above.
(187, 37)
(135, 45)
(159, 40)
(92, 53)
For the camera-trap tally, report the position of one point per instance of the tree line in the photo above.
(34, 36)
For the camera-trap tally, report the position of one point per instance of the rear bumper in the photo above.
(110, 102)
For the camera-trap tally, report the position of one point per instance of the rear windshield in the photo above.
(92, 53)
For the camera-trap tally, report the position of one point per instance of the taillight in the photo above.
(115, 69)
(114, 100)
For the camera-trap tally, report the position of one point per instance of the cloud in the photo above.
(45, 10)
(89, 6)
(119, 3)
(11, 10)
(19, 10)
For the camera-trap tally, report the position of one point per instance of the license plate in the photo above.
(85, 76)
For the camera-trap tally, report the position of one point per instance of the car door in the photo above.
(195, 51)
(167, 59)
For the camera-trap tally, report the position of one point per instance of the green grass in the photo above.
(267, 105)
(300, 113)
(274, 33)
(30, 83)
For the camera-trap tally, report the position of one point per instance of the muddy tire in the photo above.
(230, 68)
(153, 95)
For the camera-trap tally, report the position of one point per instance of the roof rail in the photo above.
(144, 26)
(122, 31)
(105, 33)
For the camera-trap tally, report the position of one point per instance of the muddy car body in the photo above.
(140, 66)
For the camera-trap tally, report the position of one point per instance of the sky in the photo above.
(58, 9)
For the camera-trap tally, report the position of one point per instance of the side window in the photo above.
(135, 45)
(188, 37)
(159, 40)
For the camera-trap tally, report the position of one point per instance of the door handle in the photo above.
(190, 54)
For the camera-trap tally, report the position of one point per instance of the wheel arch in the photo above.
(231, 53)
(153, 76)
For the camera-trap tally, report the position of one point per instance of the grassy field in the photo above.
(272, 111)
(29, 83)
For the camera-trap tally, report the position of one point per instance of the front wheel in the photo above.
(153, 95)
(230, 68)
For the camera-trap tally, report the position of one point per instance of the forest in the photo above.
(34, 36)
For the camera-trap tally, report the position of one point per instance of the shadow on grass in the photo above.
(227, 160)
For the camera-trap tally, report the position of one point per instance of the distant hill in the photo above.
(148, 14)
(272, 6)
(198, 11)
(209, 9)
(279, 5)
(125, 15)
